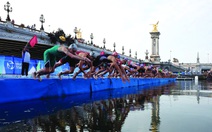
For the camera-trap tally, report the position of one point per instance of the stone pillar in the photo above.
(198, 57)
(155, 57)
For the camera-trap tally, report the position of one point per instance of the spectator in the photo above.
(13, 22)
(33, 27)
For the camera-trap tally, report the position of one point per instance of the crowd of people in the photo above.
(93, 65)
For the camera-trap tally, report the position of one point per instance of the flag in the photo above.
(33, 41)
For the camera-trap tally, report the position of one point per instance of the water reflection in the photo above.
(197, 88)
(101, 111)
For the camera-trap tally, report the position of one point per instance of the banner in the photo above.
(9, 65)
(17, 65)
(2, 70)
(12, 66)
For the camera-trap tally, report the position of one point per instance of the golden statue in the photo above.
(155, 27)
(79, 34)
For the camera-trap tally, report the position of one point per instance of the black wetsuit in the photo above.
(141, 70)
(101, 59)
(72, 62)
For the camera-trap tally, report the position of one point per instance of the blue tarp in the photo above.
(32, 108)
(12, 90)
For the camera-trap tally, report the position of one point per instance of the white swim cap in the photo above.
(93, 54)
(73, 46)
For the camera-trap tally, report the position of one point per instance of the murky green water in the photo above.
(184, 106)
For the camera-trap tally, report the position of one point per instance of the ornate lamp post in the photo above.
(146, 57)
(135, 54)
(91, 36)
(130, 52)
(42, 20)
(208, 57)
(139, 61)
(114, 45)
(104, 41)
(75, 31)
(122, 50)
(8, 9)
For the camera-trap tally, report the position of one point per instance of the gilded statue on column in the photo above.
(155, 27)
(79, 34)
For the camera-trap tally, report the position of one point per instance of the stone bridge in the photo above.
(172, 67)
(13, 38)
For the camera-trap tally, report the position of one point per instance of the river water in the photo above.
(183, 106)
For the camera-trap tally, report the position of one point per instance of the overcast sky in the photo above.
(185, 25)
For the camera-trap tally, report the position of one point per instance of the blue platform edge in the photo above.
(12, 90)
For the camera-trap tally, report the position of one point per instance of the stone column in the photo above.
(157, 53)
(155, 57)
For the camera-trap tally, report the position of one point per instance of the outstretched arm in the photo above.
(65, 50)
